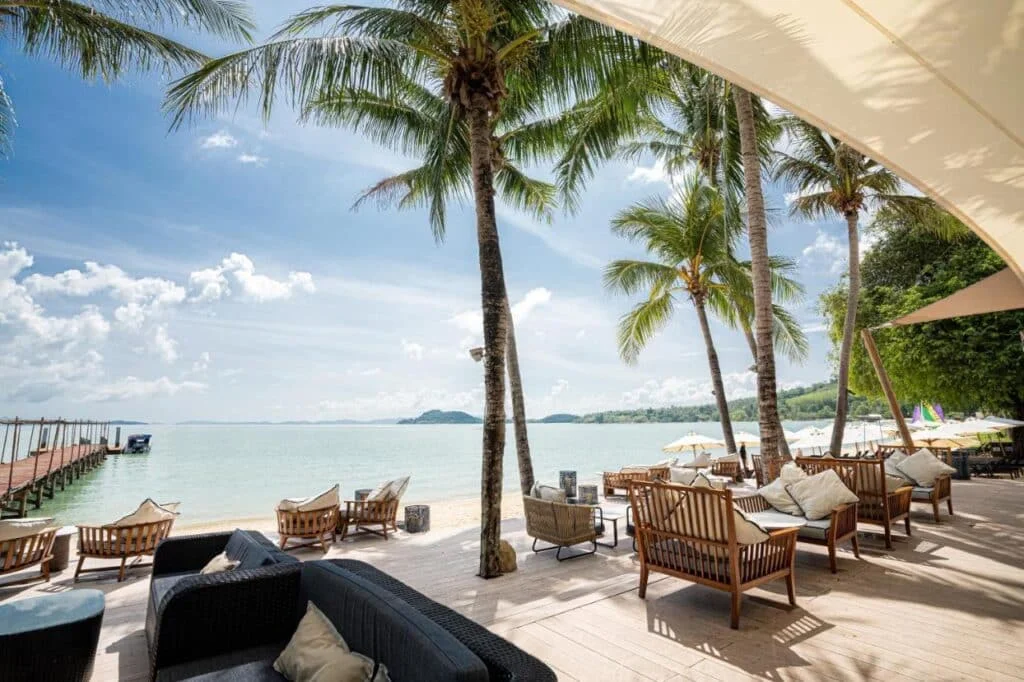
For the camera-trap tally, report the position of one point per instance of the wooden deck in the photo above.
(946, 604)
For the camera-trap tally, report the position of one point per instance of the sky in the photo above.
(219, 272)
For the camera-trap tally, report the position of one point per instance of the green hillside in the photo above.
(442, 417)
(807, 402)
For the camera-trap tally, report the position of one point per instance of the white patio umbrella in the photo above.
(1009, 423)
(972, 427)
(746, 438)
(790, 435)
(812, 438)
(693, 440)
(863, 432)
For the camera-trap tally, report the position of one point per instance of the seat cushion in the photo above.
(922, 493)
(255, 664)
(775, 519)
(816, 530)
(248, 551)
(779, 498)
(161, 585)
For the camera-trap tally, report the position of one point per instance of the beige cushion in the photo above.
(792, 472)
(667, 462)
(819, 494)
(325, 500)
(317, 653)
(13, 529)
(634, 469)
(398, 486)
(549, 493)
(219, 564)
(895, 483)
(702, 481)
(892, 466)
(681, 475)
(148, 512)
(731, 457)
(777, 496)
(924, 467)
(690, 515)
(381, 492)
(748, 531)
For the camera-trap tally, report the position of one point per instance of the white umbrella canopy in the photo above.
(747, 438)
(693, 440)
(1007, 423)
(790, 435)
(812, 438)
(973, 427)
(864, 432)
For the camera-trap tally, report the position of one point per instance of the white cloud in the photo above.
(211, 284)
(689, 391)
(40, 376)
(163, 345)
(252, 159)
(472, 321)
(581, 334)
(815, 328)
(560, 387)
(650, 175)
(221, 139)
(202, 363)
(413, 351)
(828, 250)
(133, 388)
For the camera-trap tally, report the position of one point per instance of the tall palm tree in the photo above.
(105, 38)
(693, 259)
(833, 179)
(760, 267)
(692, 121)
(482, 55)
(419, 110)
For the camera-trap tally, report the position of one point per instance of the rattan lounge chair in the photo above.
(690, 533)
(120, 542)
(377, 514)
(20, 553)
(561, 525)
(312, 521)
(877, 504)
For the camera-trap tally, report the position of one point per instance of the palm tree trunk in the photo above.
(757, 236)
(784, 453)
(493, 301)
(849, 324)
(518, 407)
(716, 377)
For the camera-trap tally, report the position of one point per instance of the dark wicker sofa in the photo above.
(372, 620)
(191, 615)
(504, 660)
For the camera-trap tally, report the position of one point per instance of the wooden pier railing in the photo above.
(38, 457)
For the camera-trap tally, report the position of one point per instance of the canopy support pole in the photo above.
(890, 395)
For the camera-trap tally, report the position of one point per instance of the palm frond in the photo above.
(524, 193)
(8, 121)
(787, 335)
(633, 276)
(642, 323)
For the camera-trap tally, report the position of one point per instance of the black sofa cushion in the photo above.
(255, 664)
(253, 550)
(378, 624)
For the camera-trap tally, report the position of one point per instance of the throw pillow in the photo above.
(819, 494)
(381, 492)
(147, 512)
(731, 457)
(681, 475)
(892, 466)
(667, 462)
(318, 653)
(700, 461)
(398, 486)
(895, 482)
(325, 500)
(748, 531)
(702, 481)
(14, 529)
(776, 495)
(634, 469)
(924, 468)
(791, 473)
(548, 493)
(219, 564)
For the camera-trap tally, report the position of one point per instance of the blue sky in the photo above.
(230, 278)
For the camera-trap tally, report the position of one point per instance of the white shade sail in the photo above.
(996, 293)
(929, 88)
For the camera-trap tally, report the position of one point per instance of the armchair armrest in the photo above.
(206, 615)
(844, 520)
(187, 552)
(899, 501)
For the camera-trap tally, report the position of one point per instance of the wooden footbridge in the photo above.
(40, 457)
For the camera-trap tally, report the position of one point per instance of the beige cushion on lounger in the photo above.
(924, 467)
(819, 494)
(892, 466)
(634, 469)
(748, 531)
(777, 496)
(548, 493)
(219, 564)
(792, 472)
(14, 529)
(381, 492)
(731, 457)
(667, 462)
(681, 475)
(895, 482)
(702, 481)
(318, 653)
(148, 512)
(325, 500)
(398, 487)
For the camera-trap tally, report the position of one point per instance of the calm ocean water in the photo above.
(230, 472)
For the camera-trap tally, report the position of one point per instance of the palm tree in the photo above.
(482, 55)
(692, 121)
(832, 179)
(419, 110)
(760, 268)
(96, 39)
(692, 258)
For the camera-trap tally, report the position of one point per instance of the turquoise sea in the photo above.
(227, 472)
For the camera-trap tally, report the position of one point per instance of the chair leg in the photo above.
(949, 503)
(120, 574)
(643, 581)
(791, 587)
(78, 570)
(888, 533)
(906, 524)
(45, 569)
(734, 621)
(935, 509)
(856, 546)
(832, 556)
(283, 541)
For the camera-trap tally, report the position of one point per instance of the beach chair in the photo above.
(131, 537)
(312, 520)
(697, 534)
(25, 543)
(561, 525)
(377, 514)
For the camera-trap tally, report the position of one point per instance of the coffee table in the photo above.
(612, 517)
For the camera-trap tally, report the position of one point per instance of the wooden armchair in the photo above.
(560, 525)
(21, 553)
(877, 505)
(758, 465)
(362, 516)
(312, 527)
(120, 542)
(732, 470)
(690, 533)
(934, 495)
(620, 480)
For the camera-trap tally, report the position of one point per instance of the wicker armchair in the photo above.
(560, 525)
(690, 533)
(120, 542)
(313, 527)
(877, 505)
(21, 553)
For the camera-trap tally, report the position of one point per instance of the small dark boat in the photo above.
(137, 444)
